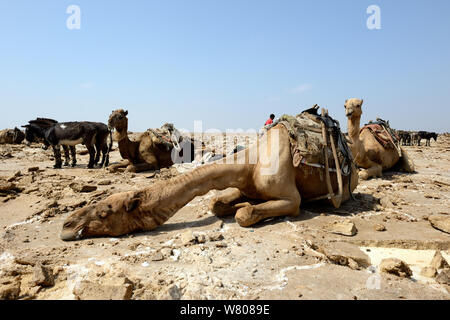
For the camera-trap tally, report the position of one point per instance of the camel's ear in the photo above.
(132, 204)
(26, 126)
(126, 112)
(362, 101)
(346, 100)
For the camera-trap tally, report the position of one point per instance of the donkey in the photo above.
(68, 134)
(427, 135)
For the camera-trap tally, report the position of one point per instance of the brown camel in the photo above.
(368, 153)
(149, 151)
(255, 190)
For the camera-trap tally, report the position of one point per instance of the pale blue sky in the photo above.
(227, 63)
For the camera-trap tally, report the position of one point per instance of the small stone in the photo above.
(201, 238)
(10, 291)
(380, 227)
(345, 254)
(104, 183)
(428, 271)
(82, 188)
(396, 267)
(441, 223)
(187, 238)
(33, 169)
(157, 256)
(385, 202)
(43, 276)
(215, 236)
(346, 228)
(173, 293)
(444, 277)
(110, 289)
(438, 261)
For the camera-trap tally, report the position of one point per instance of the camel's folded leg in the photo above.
(117, 166)
(375, 170)
(251, 214)
(407, 165)
(223, 204)
(140, 167)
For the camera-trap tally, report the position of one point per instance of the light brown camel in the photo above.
(148, 152)
(367, 152)
(255, 190)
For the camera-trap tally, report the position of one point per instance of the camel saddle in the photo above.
(307, 142)
(166, 136)
(383, 133)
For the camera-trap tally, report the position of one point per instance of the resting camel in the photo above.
(268, 187)
(149, 152)
(368, 153)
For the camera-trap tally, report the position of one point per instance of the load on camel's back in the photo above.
(11, 136)
(301, 158)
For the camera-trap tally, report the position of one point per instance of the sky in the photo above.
(227, 63)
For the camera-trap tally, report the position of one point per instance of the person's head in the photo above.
(272, 116)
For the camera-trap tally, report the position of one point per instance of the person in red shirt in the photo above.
(270, 121)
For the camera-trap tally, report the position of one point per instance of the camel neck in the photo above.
(353, 128)
(163, 199)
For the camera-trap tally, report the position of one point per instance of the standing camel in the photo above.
(367, 152)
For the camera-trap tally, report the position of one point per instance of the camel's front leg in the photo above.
(223, 204)
(140, 167)
(374, 170)
(251, 214)
(115, 167)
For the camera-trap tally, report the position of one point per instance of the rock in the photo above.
(187, 238)
(380, 227)
(7, 187)
(201, 238)
(215, 236)
(346, 228)
(82, 188)
(173, 293)
(441, 223)
(33, 169)
(396, 267)
(345, 254)
(104, 183)
(157, 256)
(43, 276)
(10, 291)
(444, 277)
(110, 289)
(428, 271)
(439, 262)
(386, 202)
(166, 252)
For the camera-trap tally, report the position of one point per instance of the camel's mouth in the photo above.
(71, 235)
(349, 114)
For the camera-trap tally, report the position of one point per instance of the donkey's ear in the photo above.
(132, 204)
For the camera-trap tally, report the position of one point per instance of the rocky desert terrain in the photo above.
(393, 242)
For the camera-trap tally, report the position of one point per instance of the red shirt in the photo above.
(270, 121)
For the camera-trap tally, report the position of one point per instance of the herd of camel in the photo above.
(245, 191)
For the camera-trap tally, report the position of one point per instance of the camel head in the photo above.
(353, 108)
(118, 120)
(109, 217)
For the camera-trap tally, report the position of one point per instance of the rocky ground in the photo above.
(393, 242)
